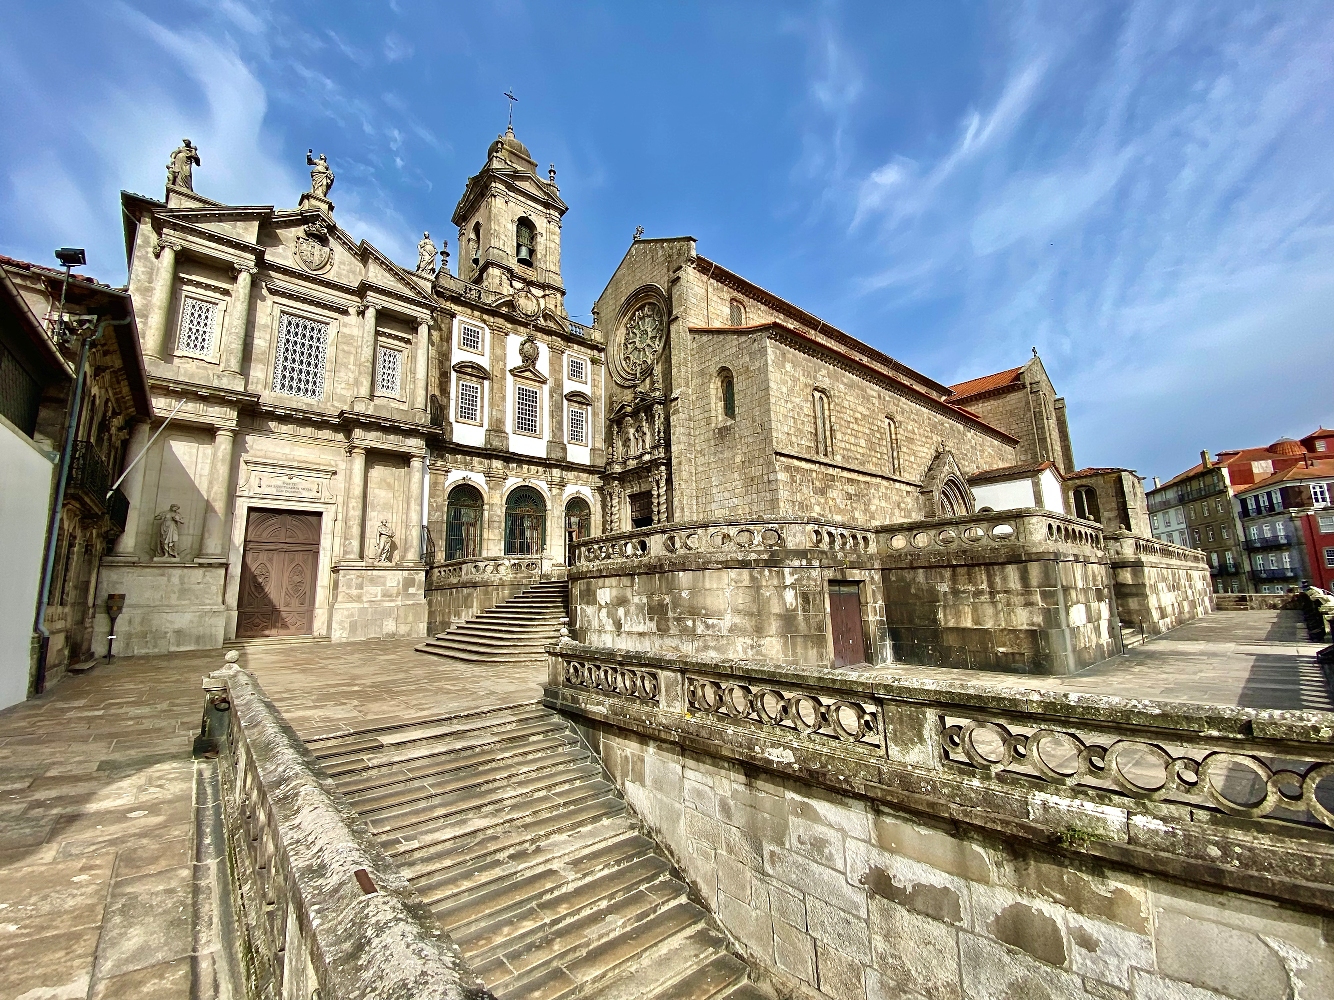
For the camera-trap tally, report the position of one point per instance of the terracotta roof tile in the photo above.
(1298, 473)
(986, 383)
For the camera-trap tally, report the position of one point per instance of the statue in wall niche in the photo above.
(641, 437)
(384, 547)
(180, 166)
(169, 528)
(426, 256)
(321, 177)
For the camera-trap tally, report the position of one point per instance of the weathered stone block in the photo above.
(839, 929)
(839, 976)
(914, 952)
(794, 951)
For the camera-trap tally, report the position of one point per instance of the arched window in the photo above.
(578, 524)
(892, 441)
(525, 242)
(463, 523)
(953, 502)
(1086, 504)
(475, 244)
(525, 522)
(824, 428)
(727, 393)
(736, 313)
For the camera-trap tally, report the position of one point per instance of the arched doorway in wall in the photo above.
(578, 524)
(525, 522)
(463, 522)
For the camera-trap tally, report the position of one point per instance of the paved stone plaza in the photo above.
(96, 876)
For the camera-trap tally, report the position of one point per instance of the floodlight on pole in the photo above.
(72, 256)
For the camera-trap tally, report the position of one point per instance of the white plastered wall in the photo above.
(23, 509)
(1009, 495)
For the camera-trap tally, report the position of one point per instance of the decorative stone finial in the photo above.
(232, 656)
(551, 172)
(639, 232)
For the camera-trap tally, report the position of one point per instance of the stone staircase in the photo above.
(515, 629)
(511, 831)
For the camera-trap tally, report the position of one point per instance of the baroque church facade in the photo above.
(357, 449)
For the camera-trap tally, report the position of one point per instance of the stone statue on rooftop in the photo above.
(321, 177)
(169, 527)
(180, 166)
(426, 256)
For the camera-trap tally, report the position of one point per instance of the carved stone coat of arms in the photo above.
(312, 247)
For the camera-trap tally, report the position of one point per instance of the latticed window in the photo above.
(470, 337)
(198, 318)
(578, 369)
(525, 409)
(298, 366)
(470, 402)
(736, 313)
(388, 371)
(578, 425)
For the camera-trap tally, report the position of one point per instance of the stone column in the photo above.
(218, 512)
(421, 354)
(133, 487)
(556, 525)
(556, 450)
(354, 504)
(412, 529)
(493, 538)
(233, 345)
(164, 286)
(365, 373)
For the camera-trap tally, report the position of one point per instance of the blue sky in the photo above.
(1140, 190)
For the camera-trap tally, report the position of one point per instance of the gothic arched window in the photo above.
(525, 242)
(525, 522)
(824, 427)
(727, 393)
(463, 523)
(736, 313)
(953, 502)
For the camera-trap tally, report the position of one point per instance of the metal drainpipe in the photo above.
(62, 477)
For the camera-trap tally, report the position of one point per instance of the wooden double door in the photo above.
(282, 552)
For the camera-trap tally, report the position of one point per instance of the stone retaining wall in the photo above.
(463, 588)
(1158, 586)
(871, 837)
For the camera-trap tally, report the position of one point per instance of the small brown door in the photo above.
(845, 622)
(277, 597)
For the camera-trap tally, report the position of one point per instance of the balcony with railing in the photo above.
(1178, 495)
(1269, 542)
(1276, 573)
(89, 475)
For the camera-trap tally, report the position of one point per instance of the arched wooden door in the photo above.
(282, 551)
(578, 524)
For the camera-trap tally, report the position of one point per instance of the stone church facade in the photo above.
(357, 449)
(340, 423)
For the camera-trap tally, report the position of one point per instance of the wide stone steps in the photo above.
(516, 629)
(509, 829)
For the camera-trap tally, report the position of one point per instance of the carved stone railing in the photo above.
(1243, 798)
(486, 569)
(1032, 528)
(1122, 545)
(722, 539)
(321, 911)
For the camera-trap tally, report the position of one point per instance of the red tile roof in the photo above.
(977, 386)
(1317, 470)
(1024, 470)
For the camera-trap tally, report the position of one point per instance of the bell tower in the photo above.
(509, 223)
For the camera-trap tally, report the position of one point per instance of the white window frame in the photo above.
(523, 392)
(469, 383)
(1320, 494)
(482, 333)
(1329, 558)
(330, 330)
(1326, 524)
(575, 359)
(581, 411)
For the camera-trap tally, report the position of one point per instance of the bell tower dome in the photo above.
(509, 223)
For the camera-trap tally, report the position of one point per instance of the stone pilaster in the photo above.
(493, 536)
(354, 504)
(218, 512)
(163, 289)
(556, 449)
(233, 345)
(421, 352)
(133, 487)
(365, 373)
(412, 528)
(497, 391)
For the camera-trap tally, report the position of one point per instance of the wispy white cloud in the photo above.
(1148, 205)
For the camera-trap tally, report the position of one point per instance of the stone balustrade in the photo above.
(320, 911)
(1008, 529)
(1245, 795)
(740, 539)
(486, 569)
(1124, 544)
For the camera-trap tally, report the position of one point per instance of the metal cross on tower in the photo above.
(513, 99)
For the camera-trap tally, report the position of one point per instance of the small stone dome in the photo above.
(1286, 446)
(509, 141)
